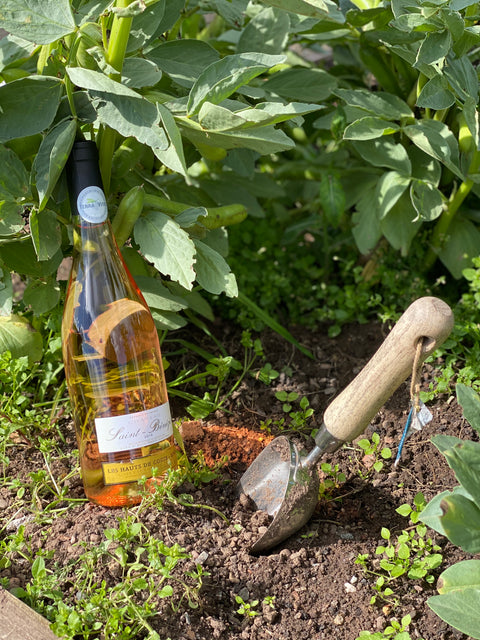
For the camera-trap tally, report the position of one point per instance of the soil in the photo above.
(319, 592)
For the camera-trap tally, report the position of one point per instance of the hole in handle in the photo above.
(428, 344)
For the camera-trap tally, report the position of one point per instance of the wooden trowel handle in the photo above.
(351, 412)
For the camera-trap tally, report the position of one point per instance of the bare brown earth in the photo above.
(320, 593)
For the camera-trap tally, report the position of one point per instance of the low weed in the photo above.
(332, 479)
(369, 456)
(297, 413)
(132, 562)
(249, 609)
(396, 630)
(410, 554)
(222, 376)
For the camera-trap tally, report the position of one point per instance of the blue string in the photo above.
(404, 436)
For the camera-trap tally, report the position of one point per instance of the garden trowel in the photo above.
(285, 483)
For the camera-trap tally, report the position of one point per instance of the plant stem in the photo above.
(115, 55)
(440, 232)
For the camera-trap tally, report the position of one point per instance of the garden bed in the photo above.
(308, 588)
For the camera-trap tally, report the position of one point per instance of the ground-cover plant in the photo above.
(297, 413)
(396, 630)
(368, 455)
(409, 555)
(78, 605)
(222, 374)
(456, 515)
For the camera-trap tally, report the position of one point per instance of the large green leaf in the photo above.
(462, 246)
(311, 8)
(14, 179)
(390, 188)
(39, 21)
(369, 128)
(264, 140)
(460, 609)
(52, 157)
(463, 78)
(267, 32)
(145, 24)
(460, 576)
(436, 139)
(378, 104)
(158, 296)
(39, 97)
(218, 118)
(427, 200)
(46, 233)
(307, 85)
(464, 459)
(13, 49)
(222, 78)
(138, 73)
(400, 226)
(213, 273)
(6, 292)
(461, 522)
(469, 400)
(332, 197)
(436, 94)
(183, 60)
(434, 47)
(42, 295)
(121, 108)
(20, 256)
(20, 338)
(11, 221)
(433, 513)
(424, 167)
(384, 152)
(163, 242)
(173, 157)
(366, 224)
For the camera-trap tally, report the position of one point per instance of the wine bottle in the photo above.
(111, 352)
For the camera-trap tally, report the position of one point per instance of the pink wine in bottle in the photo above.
(113, 363)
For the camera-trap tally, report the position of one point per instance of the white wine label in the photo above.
(134, 430)
(91, 205)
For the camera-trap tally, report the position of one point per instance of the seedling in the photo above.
(295, 419)
(412, 554)
(247, 609)
(373, 456)
(333, 479)
(394, 631)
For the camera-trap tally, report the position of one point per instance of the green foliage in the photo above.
(140, 563)
(214, 118)
(410, 555)
(396, 630)
(216, 379)
(162, 93)
(369, 455)
(331, 480)
(456, 515)
(295, 419)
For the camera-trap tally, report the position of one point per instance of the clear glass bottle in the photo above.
(111, 352)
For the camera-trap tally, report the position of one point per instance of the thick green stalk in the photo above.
(115, 55)
(440, 231)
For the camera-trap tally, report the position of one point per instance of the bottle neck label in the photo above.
(92, 205)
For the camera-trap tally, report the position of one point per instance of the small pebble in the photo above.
(338, 620)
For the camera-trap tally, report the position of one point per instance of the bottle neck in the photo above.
(87, 198)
